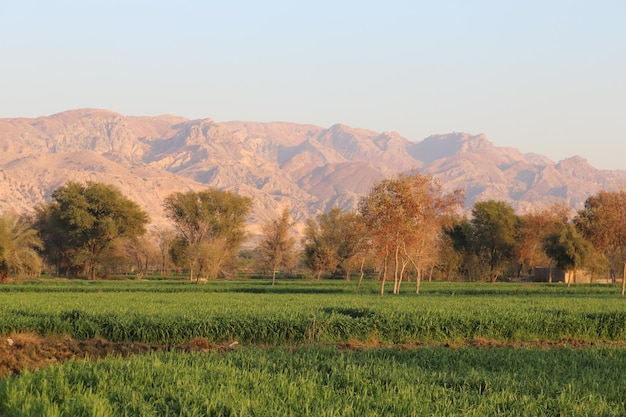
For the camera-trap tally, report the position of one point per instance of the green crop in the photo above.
(297, 313)
(317, 381)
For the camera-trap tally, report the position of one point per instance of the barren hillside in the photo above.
(306, 168)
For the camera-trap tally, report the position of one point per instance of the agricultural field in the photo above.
(247, 348)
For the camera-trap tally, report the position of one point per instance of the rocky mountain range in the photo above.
(306, 168)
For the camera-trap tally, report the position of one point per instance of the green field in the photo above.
(296, 313)
(327, 382)
(289, 359)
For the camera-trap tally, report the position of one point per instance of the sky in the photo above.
(546, 76)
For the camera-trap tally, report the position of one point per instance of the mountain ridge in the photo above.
(304, 167)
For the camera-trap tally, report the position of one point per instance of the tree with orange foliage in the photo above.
(534, 228)
(603, 222)
(403, 217)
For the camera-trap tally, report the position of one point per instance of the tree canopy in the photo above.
(332, 240)
(403, 216)
(568, 248)
(91, 216)
(534, 227)
(603, 222)
(211, 228)
(277, 244)
(19, 243)
(494, 226)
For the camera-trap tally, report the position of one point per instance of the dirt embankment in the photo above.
(29, 351)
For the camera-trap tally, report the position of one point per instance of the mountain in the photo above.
(306, 168)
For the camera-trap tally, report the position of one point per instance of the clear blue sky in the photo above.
(543, 76)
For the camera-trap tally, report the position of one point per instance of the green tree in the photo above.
(56, 241)
(494, 228)
(403, 216)
(92, 216)
(19, 243)
(568, 248)
(211, 226)
(277, 244)
(333, 241)
(461, 236)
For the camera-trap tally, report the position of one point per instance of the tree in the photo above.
(568, 248)
(462, 239)
(277, 244)
(403, 216)
(56, 241)
(494, 225)
(333, 241)
(211, 227)
(603, 222)
(164, 236)
(534, 228)
(18, 247)
(92, 216)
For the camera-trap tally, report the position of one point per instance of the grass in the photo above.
(297, 313)
(328, 382)
(287, 363)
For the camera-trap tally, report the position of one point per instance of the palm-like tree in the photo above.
(18, 244)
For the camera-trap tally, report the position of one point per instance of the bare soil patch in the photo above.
(29, 351)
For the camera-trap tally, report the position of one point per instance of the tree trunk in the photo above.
(395, 272)
(418, 281)
(430, 274)
(571, 278)
(274, 277)
(401, 275)
(550, 274)
(358, 287)
(624, 280)
(382, 285)
(92, 270)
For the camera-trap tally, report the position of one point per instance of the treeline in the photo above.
(406, 228)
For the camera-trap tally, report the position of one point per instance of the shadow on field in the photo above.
(355, 313)
(285, 290)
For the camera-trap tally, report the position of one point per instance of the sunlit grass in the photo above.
(296, 313)
(327, 382)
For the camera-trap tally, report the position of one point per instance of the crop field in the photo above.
(310, 348)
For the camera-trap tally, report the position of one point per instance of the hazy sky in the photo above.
(545, 76)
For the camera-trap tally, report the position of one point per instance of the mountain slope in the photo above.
(306, 168)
